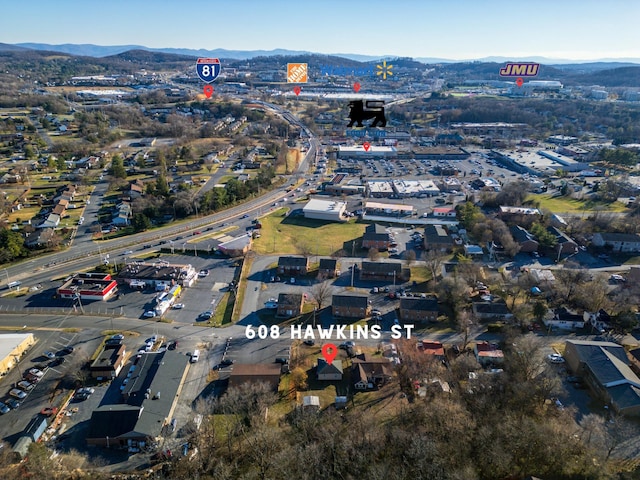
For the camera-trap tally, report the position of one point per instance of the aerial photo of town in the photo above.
(228, 251)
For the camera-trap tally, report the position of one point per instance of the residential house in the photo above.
(388, 272)
(59, 209)
(432, 347)
(368, 373)
(122, 214)
(524, 239)
(488, 354)
(136, 189)
(604, 366)
(376, 236)
(268, 373)
(350, 306)
(491, 310)
(40, 238)
(419, 309)
(565, 246)
(328, 268)
(329, 371)
(437, 238)
(52, 221)
(446, 212)
(618, 242)
(290, 305)
(564, 320)
(293, 265)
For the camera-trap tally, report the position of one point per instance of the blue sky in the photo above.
(456, 29)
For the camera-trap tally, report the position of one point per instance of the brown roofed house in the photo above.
(384, 271)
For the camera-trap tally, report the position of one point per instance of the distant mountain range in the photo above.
(91, 50)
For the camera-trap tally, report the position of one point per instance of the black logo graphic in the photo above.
(374, 109)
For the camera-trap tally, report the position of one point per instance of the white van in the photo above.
(15, 284)
(195, 356)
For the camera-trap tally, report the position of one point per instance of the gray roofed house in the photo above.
(524, 239)
(39, 238)
(605, 368)
(436, 237)
(328, 267)
(350, 306)
(565, 244)
(419, 309)
(488, 310)
(329, 371)
(293, 265)
(384, 271)
(618, 242)
(376, 236)
(150, 397)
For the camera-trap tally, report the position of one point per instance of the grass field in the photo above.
(282, 234)
(570, 205)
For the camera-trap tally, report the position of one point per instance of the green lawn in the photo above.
(570, 205)
(282, 234)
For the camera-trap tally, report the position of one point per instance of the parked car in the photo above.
(48, 411)
(118, 337)
(13, 403)
(4, 409)
(226, 362)
(67, 350)
(178, 306)
(203, 273)
(205, 315)
(19, 394)
(282, 360)
(555, 358)
(26, 386)
(149, 314)
(56, 361)
(49, 355)
(36, 373)
(310, 343)
(346, 345)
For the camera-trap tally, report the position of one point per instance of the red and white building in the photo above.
(89, 286)
(444, 212)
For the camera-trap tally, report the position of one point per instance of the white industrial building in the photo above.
(359, 151)
(329, 210)
(415, 188)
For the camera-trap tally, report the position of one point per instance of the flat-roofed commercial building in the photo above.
(373, 151)
(388, 209)
(330, 210)
(415, 188)
(12, 347)
(160, 275)
(89, 286)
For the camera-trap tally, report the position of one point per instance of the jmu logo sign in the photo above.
(520, 70)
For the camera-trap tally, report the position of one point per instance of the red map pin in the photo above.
(208, 91)
(519, 81)
(329, 352)
(356, 87)
(366, 146)
(297, 90)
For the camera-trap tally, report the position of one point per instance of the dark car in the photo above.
(56, 362)
(12, 403)
(146, 246)
(226, 362)
(67, 350)
(310, 342)
(244, 216)
(282, 360)
(172, 345)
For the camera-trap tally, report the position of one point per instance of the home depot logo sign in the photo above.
(297, 72)
(520, 70)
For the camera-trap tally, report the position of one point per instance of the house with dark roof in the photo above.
(376, 236)
(491, 310)
(419, 309)
(437, 238)
(524, 239)
(565, 246)
(328, 268)
(109, 362)
(350, 306)
(290, 305)
(329, 371)
(149, 401)
(268, 373)
(618, 242)
(293, 265)
(564, 319)
(40, 238)
(604, 366)
(368, 373)
(388, 272)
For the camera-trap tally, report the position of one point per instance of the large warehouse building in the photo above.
(329, 210)
(12, 347)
